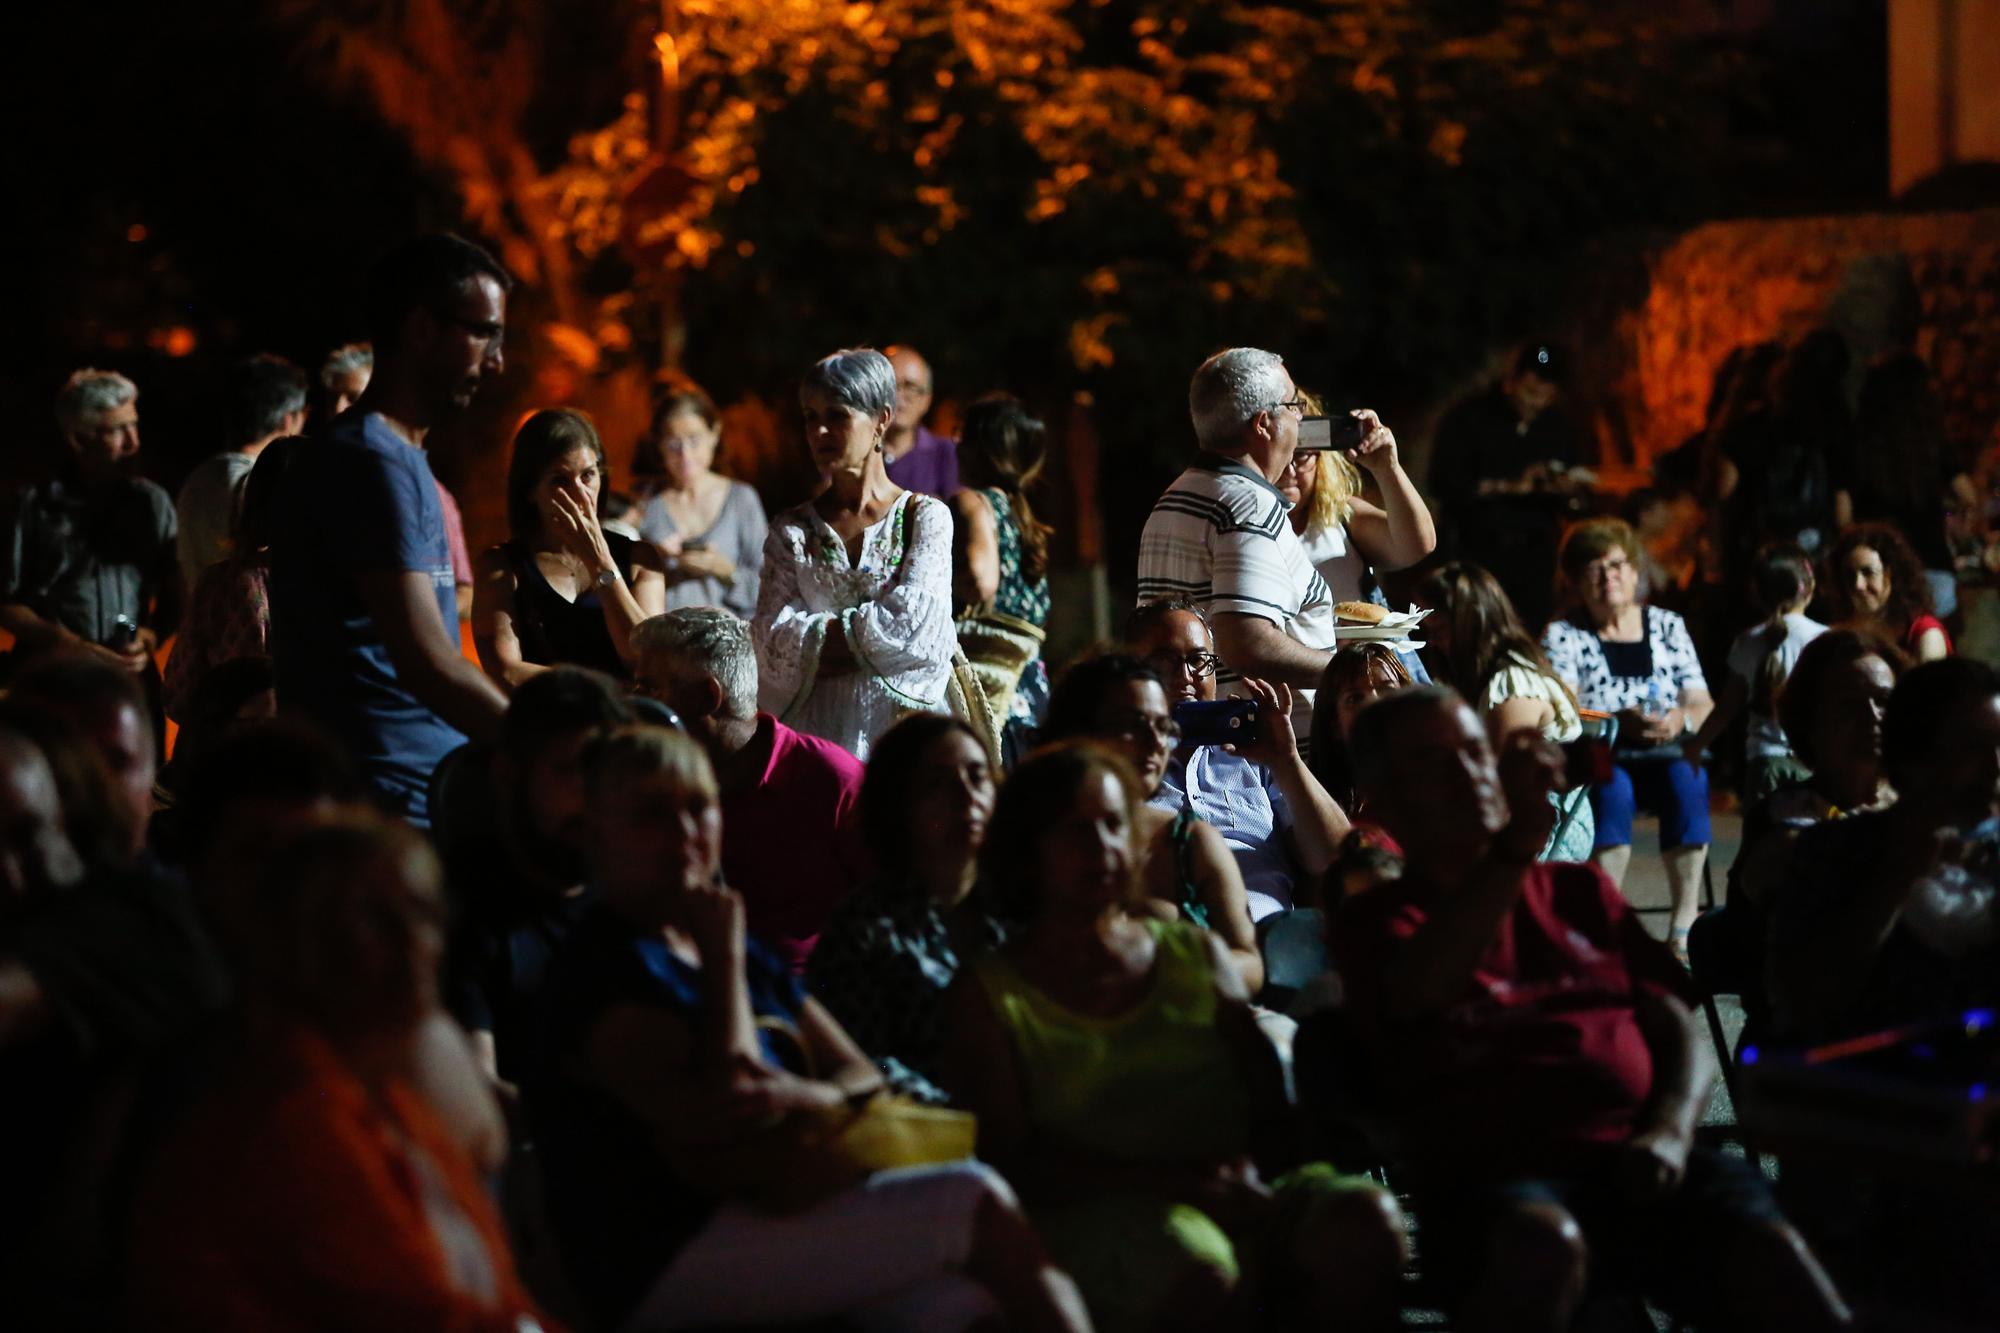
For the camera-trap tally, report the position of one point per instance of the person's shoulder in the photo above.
(814, 753)
(1663, 619)
(928, 508)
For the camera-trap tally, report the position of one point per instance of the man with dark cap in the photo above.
(1504, 468)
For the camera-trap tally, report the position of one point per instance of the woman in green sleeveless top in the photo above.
(1124, 1089)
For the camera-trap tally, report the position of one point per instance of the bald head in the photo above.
(36, 856)
(913, 387)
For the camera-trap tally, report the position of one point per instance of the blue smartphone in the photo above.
(1217, 721)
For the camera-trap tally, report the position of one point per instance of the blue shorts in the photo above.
(1676, 791)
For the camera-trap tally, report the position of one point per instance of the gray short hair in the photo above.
(344, 361)
(90, 394)
(1229, 389)
(708, 640)
(860, 377)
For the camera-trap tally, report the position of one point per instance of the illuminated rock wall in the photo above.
(1929, 281)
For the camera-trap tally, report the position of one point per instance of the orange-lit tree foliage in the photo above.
(1052, 194)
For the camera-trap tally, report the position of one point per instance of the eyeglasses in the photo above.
(1199, 665)
(1297, 405)
(1599, 570)
(1141, 727)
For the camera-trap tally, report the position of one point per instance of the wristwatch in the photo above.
(608, 578)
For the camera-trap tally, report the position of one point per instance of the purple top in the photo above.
(930, 465)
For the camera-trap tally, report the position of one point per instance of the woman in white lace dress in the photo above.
(853, 625)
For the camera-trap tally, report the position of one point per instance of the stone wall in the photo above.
(1927, 281)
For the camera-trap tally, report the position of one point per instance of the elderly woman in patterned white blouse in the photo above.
(853, 625)
(1619, 655)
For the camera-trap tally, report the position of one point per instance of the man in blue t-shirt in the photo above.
(364, 613)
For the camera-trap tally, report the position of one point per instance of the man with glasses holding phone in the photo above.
(364, 614)
(1280, 824)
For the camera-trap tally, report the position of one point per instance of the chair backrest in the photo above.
(1599, 726)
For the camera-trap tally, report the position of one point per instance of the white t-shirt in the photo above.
(1332, 552)
(1765, 738)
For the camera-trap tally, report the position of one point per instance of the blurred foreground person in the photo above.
(1534, 1058)
(676, 1047)
(310, 1184)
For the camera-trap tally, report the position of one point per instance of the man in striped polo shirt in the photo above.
(1221, 534)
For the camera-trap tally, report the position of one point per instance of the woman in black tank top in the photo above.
(561, 590)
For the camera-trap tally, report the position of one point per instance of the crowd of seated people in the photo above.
(748, 938)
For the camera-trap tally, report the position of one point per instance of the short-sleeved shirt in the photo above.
(791, 845)
(359, 500)
(206, 510)
(1747, 657)
(82, 555)
(1221, 536)
(930, 465)
(619, 1210)
(1541, 1055)
(1664, 655)
(1241, 800)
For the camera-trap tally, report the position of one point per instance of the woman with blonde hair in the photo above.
(1348, 536)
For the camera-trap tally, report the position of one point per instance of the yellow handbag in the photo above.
(811, 1155)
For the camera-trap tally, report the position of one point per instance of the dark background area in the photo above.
(189, 168)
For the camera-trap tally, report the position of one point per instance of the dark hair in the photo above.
(1373, 740)
(1799, 701)
(1909, 590)
(1928, 699)
(424, 273)
(889, 787)
(1079, 694)
(333, 942)
(557, 703)
(543, 439)
(1904, 446)
(256, 526)
(671, 393)
(83, 784)
(1780, 578)
(1148, 615)
(1001, 445)
(1486, 632)
(1327, 754)
(1040, 790)
(281, 760)
(258, 393)
(75, 682)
